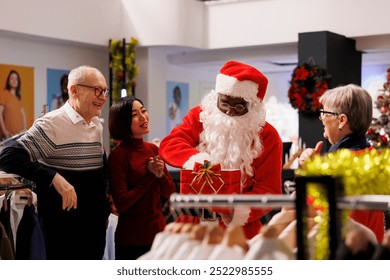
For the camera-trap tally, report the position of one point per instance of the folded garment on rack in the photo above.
(210, 179)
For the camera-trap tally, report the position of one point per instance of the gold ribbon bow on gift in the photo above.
(208, 173)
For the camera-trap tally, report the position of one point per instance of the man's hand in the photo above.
(67, 192)
(310, 152)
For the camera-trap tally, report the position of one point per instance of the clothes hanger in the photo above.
(281, 220)
(196, 235)
(185, 228)
(269, 231)
(179, 235)
(214, 235)
(382, 251)
(23, 197)
(198, 232)
(6, 181)
(233, 245)
(175, 227)
(356, 246)
(212, 238)
(267, 246)
(235, 236)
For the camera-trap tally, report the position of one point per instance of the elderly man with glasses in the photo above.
(229, 129)
(62, 153)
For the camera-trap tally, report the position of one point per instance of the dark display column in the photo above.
(336, 54)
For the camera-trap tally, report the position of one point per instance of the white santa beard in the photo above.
(232, 141)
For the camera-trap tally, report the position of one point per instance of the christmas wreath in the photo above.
(308, 83)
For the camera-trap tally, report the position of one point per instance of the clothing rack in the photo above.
(361, 202)
(20, 183)
(334, 192)
(7, 190)
(15, 198)
(225, 200)
(8, 187)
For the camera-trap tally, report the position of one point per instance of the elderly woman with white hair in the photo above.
(346, 116)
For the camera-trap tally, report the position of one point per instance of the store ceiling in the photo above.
(273, 58)
(268, 58)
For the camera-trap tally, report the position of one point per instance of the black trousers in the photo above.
(72, 237)
(130, 252)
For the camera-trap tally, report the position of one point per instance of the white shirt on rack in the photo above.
(16, 211)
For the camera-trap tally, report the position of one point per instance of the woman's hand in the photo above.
(156, 166)
(309, 152)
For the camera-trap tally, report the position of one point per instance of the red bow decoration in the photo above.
(208, 173)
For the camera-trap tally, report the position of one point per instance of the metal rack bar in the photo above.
(362, 202)
(265, 201)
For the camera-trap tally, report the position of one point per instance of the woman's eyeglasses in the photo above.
(98, 90)
(323, 113)
(239, 108)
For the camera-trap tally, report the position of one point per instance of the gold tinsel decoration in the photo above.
(362, 173)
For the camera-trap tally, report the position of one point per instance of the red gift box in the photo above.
(210, 179)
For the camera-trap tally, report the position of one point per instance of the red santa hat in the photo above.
(241, 80)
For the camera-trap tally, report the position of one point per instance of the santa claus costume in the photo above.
(246, 142)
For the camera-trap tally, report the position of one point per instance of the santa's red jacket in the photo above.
(181, 143)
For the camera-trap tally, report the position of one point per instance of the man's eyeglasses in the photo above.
(239, 108)
(98, 90)
(323, 113)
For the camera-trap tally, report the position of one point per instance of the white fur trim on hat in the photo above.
(231, 86)
(200, 157)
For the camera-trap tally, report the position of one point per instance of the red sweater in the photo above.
(136, 193)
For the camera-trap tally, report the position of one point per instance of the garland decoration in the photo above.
(307, 84)
(124, 69)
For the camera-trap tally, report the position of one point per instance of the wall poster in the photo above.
(177, 103)
(16, 99)
(57, 91)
